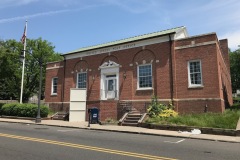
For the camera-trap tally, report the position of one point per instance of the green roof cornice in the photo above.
(127, 40)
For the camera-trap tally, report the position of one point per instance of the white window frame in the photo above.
(143, 88)
(52, 88)
(77, 80)
(190, 85)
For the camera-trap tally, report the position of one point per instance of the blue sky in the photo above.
(73, 24)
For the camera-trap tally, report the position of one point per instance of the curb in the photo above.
(24, 118)
(129, 132)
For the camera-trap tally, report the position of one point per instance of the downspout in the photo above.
(63, 82)
(171, 67)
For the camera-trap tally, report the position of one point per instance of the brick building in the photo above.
(192, 72)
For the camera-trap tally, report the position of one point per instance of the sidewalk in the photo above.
(126, 129)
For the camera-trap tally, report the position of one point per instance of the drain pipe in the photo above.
(171, 67)
(63, 81)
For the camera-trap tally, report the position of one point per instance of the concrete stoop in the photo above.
(132, 119)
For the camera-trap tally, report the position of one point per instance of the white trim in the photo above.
(109, 68)
(56, 67)
(57, 102)
(109, 64)
(144, 100)
(196, 45)
(119, 47)
(199, 99)
(190, 85)
(144, 88)
(52, 86)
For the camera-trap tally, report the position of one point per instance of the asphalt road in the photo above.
(35, 142)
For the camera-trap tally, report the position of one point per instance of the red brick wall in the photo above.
(50, 73)
(159, 56)
(188, 107)
(225, 87)
(224, 51)
(127, 87)
(208, 57)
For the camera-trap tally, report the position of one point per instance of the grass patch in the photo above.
(226, 120)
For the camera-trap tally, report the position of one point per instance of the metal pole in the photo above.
(22, 76)
(89, 117)
(23, 66)
(38, 118)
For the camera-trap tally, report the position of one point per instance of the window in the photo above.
(194, 73)
(54, 85)
(145, 76)
(82, 80)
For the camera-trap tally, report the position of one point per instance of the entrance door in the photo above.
(110, 86)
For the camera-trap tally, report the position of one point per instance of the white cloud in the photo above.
(233, 39)
(134, 6)
(26, 17)
(10, 3)
(6, 20)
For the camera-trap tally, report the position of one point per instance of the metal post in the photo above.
(23, 66)
(89, 117)
(38, 118)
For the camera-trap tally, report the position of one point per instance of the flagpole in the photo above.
(23, 64)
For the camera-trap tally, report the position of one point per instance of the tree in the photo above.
(11, 67)
(235, 69)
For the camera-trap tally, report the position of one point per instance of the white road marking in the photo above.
(175, 142)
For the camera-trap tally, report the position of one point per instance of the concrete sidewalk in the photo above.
(126, 129)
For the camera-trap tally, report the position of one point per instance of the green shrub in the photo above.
(7, 109)
(168, 113)
(44, 110)
(23, 110)
(235, 106)
(236, 99)
(1, 104)
(156, 109)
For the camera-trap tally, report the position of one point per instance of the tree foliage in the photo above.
(11, 67)
(235, 69)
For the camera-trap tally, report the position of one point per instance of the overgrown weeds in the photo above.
(226, 120)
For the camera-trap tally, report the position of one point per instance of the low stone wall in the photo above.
(204, 130)
(8, 101)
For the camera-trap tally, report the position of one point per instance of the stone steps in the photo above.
(60, 116)
(132, 119)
